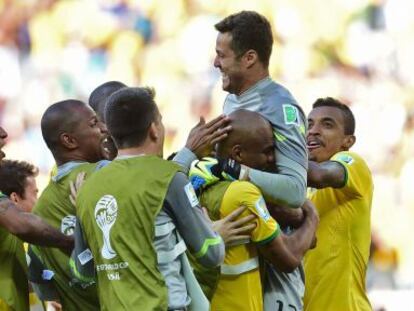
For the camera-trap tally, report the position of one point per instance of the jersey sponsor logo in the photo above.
(346, 158)
(106, 212)
(191, 195)
(261, 209)
(67, 225)
(291, 114)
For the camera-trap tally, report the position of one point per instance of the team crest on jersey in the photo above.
(291, 114)
(67, 225)
(261, 209)
(346, 158)
(106, 212)
(191, 195)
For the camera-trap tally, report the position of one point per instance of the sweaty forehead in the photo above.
(223, 40)
(84, 112)
(79, 115)
(323, 113)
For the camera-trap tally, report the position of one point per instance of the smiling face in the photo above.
(90, 134)
(326, 133)
(229, 64)
(27, 201)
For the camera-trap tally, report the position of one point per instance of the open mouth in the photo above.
(313, 144)
(104, 144)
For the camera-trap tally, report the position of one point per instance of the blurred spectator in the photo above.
(383, 264)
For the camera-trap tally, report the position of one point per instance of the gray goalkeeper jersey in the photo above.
(275, 103)
(283, 291)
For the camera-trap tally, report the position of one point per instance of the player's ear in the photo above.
(349, 141)
(14, 197)
(250, 58)
(153, 132)
(68, 141)
(236, 153)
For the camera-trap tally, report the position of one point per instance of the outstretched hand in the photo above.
(232, 229)
(75, 186)
(204, 136)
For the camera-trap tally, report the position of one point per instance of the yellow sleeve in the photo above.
(242, 193)
(357, 174)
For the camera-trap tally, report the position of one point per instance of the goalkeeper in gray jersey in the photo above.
(243, 48)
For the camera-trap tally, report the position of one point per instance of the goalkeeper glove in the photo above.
(209, 170)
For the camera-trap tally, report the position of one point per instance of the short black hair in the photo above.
(349, 120)
(13, 176)
(249, 31)
(99, 96)
(58, 118)
(129, 113)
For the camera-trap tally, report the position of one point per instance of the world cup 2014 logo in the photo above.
(67, 224)
(106, 211)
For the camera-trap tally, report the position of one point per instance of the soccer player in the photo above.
(15, 226)
(18, 182)
(74, 135)
(342, 192)
(120, 205)
(239, 285)
(243, 49)
(97, 100)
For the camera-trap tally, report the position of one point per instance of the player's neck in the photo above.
(72, 157)
(252, 80)
(145, 149)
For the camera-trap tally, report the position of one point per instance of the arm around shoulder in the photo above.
(31, 228)
(285, 252)
(326, 174)
(281, 189)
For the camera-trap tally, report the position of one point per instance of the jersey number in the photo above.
(290, 307)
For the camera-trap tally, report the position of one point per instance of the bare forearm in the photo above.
(286, 251)
(31, 228)
(36, 231)
(285, 216)
(301, 239)
(326, 174)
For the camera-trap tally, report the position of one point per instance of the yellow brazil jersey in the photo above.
(335, 269)
(244, 291)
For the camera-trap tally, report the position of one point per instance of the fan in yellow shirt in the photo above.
(239, 285)
(335, 270)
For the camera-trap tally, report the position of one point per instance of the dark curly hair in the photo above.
(13, 175)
